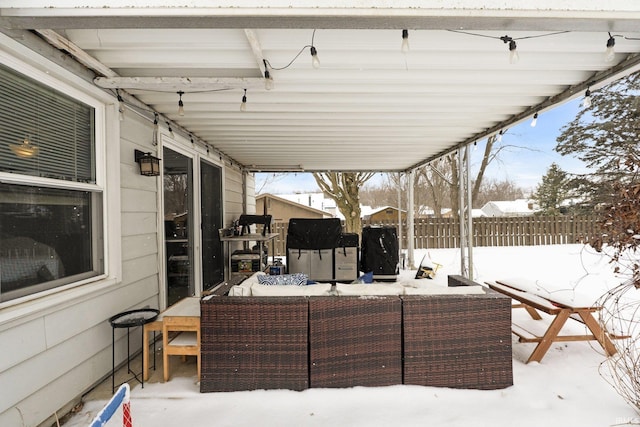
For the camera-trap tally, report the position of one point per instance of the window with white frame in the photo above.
(51, 230)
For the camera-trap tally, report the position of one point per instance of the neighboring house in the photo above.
(83, 231)
(384, 214)
(477, 213)
(313, 200)
(425, 211)
(520, 207)
(281, 210)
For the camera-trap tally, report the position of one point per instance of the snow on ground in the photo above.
(565, 389)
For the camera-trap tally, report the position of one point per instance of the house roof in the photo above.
(509, 206)
(292, 203)
(368, 107)
(384, 208)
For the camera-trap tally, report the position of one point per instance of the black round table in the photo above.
(129, 319)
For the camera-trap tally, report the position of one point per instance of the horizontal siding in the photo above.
(39, 370)
(27, 340)
(139, 223)
(64, 325)
(84, 327)
(233, 198)
(137, 200)
(37, 406)
(139, 246)
(137, 269)
(251, 194)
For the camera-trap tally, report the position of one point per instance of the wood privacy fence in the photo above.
(494, 231)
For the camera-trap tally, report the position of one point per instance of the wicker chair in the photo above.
(355, 342)
(253, 343)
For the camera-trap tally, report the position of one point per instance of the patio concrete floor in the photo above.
(178, 368)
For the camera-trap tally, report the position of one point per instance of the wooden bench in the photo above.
(561, 312)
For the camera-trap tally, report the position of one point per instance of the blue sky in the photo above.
(529, 154)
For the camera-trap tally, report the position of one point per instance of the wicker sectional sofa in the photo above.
(453, 340)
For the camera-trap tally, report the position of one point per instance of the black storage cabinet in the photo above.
(380, 252)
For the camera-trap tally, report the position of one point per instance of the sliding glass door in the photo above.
(178, 227)
(211, 218)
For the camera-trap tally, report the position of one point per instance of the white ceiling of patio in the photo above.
(368, 106)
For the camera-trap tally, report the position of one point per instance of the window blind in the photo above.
(62, 129)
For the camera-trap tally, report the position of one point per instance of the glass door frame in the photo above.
(195, 236)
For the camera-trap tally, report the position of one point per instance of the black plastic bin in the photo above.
(380, 252)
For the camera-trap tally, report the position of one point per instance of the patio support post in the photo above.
(410, 233)
(400, 219)
(464, 212)
(469, 212)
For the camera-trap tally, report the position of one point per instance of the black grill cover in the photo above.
(307, 233)
(379, 250)
(349, 240)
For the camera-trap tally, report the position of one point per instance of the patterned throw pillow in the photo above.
(297, 279)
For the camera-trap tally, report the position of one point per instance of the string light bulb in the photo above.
(514, 57)
(120, 106)
(315, 62)
(170, 130)
(154, 138)
(404, 47)
(500, 136)
(243, 104)
(513, 53)
(534, 121)
(586, 101)
(268, 80)
(180, 103)
(610, 52)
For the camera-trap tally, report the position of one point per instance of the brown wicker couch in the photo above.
(297, 342)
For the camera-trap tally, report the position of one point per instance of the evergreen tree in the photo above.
(552, 192)
(604, 136)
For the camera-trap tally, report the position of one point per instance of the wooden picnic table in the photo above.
(561, 312)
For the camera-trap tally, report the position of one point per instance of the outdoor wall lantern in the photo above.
(149, 165)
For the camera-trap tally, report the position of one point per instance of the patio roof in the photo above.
(368, 107)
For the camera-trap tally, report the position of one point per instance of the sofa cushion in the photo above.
(244, 288)
(368, 289)
(258, 290)
(442, 290)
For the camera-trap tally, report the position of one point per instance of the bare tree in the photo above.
(437, 179)
(270, 179)
(176, 196)
(619, 238)
(344, 188)
(492, 189)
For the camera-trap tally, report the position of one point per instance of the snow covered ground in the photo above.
(565, 389)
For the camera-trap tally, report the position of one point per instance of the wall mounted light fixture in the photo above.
(149, 165)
